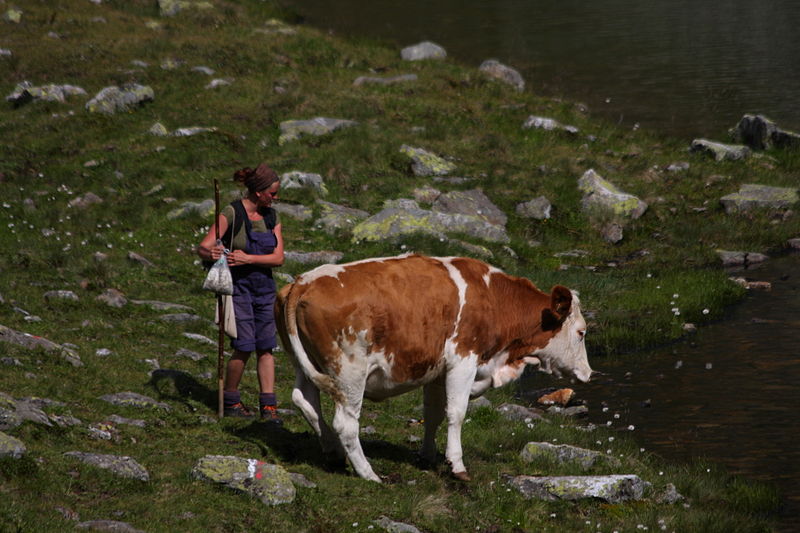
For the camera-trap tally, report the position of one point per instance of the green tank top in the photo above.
(240, 239)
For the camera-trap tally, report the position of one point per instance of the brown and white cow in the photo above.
(455, 326)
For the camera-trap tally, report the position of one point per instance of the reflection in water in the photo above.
(730, 395)
(688, 68)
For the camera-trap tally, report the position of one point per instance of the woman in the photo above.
(256, 245)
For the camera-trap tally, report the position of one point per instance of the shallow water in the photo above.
(690, 69)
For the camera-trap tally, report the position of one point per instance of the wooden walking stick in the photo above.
(221, 313)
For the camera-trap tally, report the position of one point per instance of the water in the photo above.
(686, 68)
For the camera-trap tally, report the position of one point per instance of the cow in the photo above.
(454, 326)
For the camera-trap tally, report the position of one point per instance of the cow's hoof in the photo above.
(462, 476)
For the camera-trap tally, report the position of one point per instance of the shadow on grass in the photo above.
(180, 386)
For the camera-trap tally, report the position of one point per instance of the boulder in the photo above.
(423, 50)
(495, 69)
(424, 163)
(547, 124)
(11, 446)
(112, 99)
(298, 211)
(120, 465)
(760, 133)
(292, 130)
(391, 224)
(303, 180)
(267, 482)
(564, 453)
(25, 92)
(32, 342)
(336, 217)
(392, 80)
(720, 151)
(753, 196)
(611, 489)
(602, 195)
(473, 203)
(308, 258)
(538, 208)
(133, 399)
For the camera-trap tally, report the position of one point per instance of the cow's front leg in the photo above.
(345, 423)
(458, 386)
(434, 400)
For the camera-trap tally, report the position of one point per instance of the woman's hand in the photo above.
(217, 251)
(238, 258)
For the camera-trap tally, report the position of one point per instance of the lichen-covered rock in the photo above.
(292, 130)
(121, 465)
(547, 124)
(170, 8)
(31, 342)
(600, 194)
(298, 211)
(564, 453)
(392, 80)
(303, 180)
(133, 399)
(538, 208)
(611, 489)
(400, 203)
(760, 133)
(504, 73)
(109, 526)
(267, 482)
(11, 446)
(13, 15)
(113, 99)
(753, 196)
(720, 151)
(391, 224)
(423, 50)
(309, 258)
(426, 194)
(335, 218)
(473, 203)
(26, 92)
(204, 209)
(424, 163)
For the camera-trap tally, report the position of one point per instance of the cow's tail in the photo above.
(286, 318)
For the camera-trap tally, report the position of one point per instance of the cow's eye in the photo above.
(581, 334)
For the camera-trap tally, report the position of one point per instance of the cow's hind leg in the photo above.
(433, 413)
(345, 423)
(306, 397)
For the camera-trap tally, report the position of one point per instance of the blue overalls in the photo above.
(254, 297)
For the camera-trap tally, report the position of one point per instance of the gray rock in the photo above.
(161, 306)
(133, 399)
(564, 453)
(519, 413)
(170, 8)
(158, 129)
(387, 524)
(669, 495)
(192, 131)
(423, 50)
(203, 70)
(720, 151)
(303, 180)
(574, 411)
(504, 73)
(611, 489)
(5, 52)
(113, 99)
(753, 196)
(276, 27)
(602, 195)
(369, 80)
(538, 208)
(426, 194)
(11, 446)
(219, 82)
(300, 480)
(120, 465)
(794, 244)
(477, 403)
(424, 163)
(194, 356)
(734, 258)
(136, 258)
(547, 124)
(180, 318)
(400, 203)
(10, 361)
(679, 166)
(760, 133)
(65, 421)
(321, 257)
(392, 224)
(103, 352)
(335, 218)
(199, 338)
(267, 482)
(13, 15)
(108, 526)
(113, 298)
(116, 419)
(32, 342)
(52, 296)
(292, 130)
(84, 201)
(473, 203)
(612, 233)
(298, 211)
(26, 92)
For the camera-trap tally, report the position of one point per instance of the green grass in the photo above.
(450, 110)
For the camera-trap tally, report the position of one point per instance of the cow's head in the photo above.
(566, 351)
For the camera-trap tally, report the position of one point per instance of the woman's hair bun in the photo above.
(242, 174)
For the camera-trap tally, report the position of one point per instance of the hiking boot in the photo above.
(238, 410)
(269, 413)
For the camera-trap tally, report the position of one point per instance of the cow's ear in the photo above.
(561, 301)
